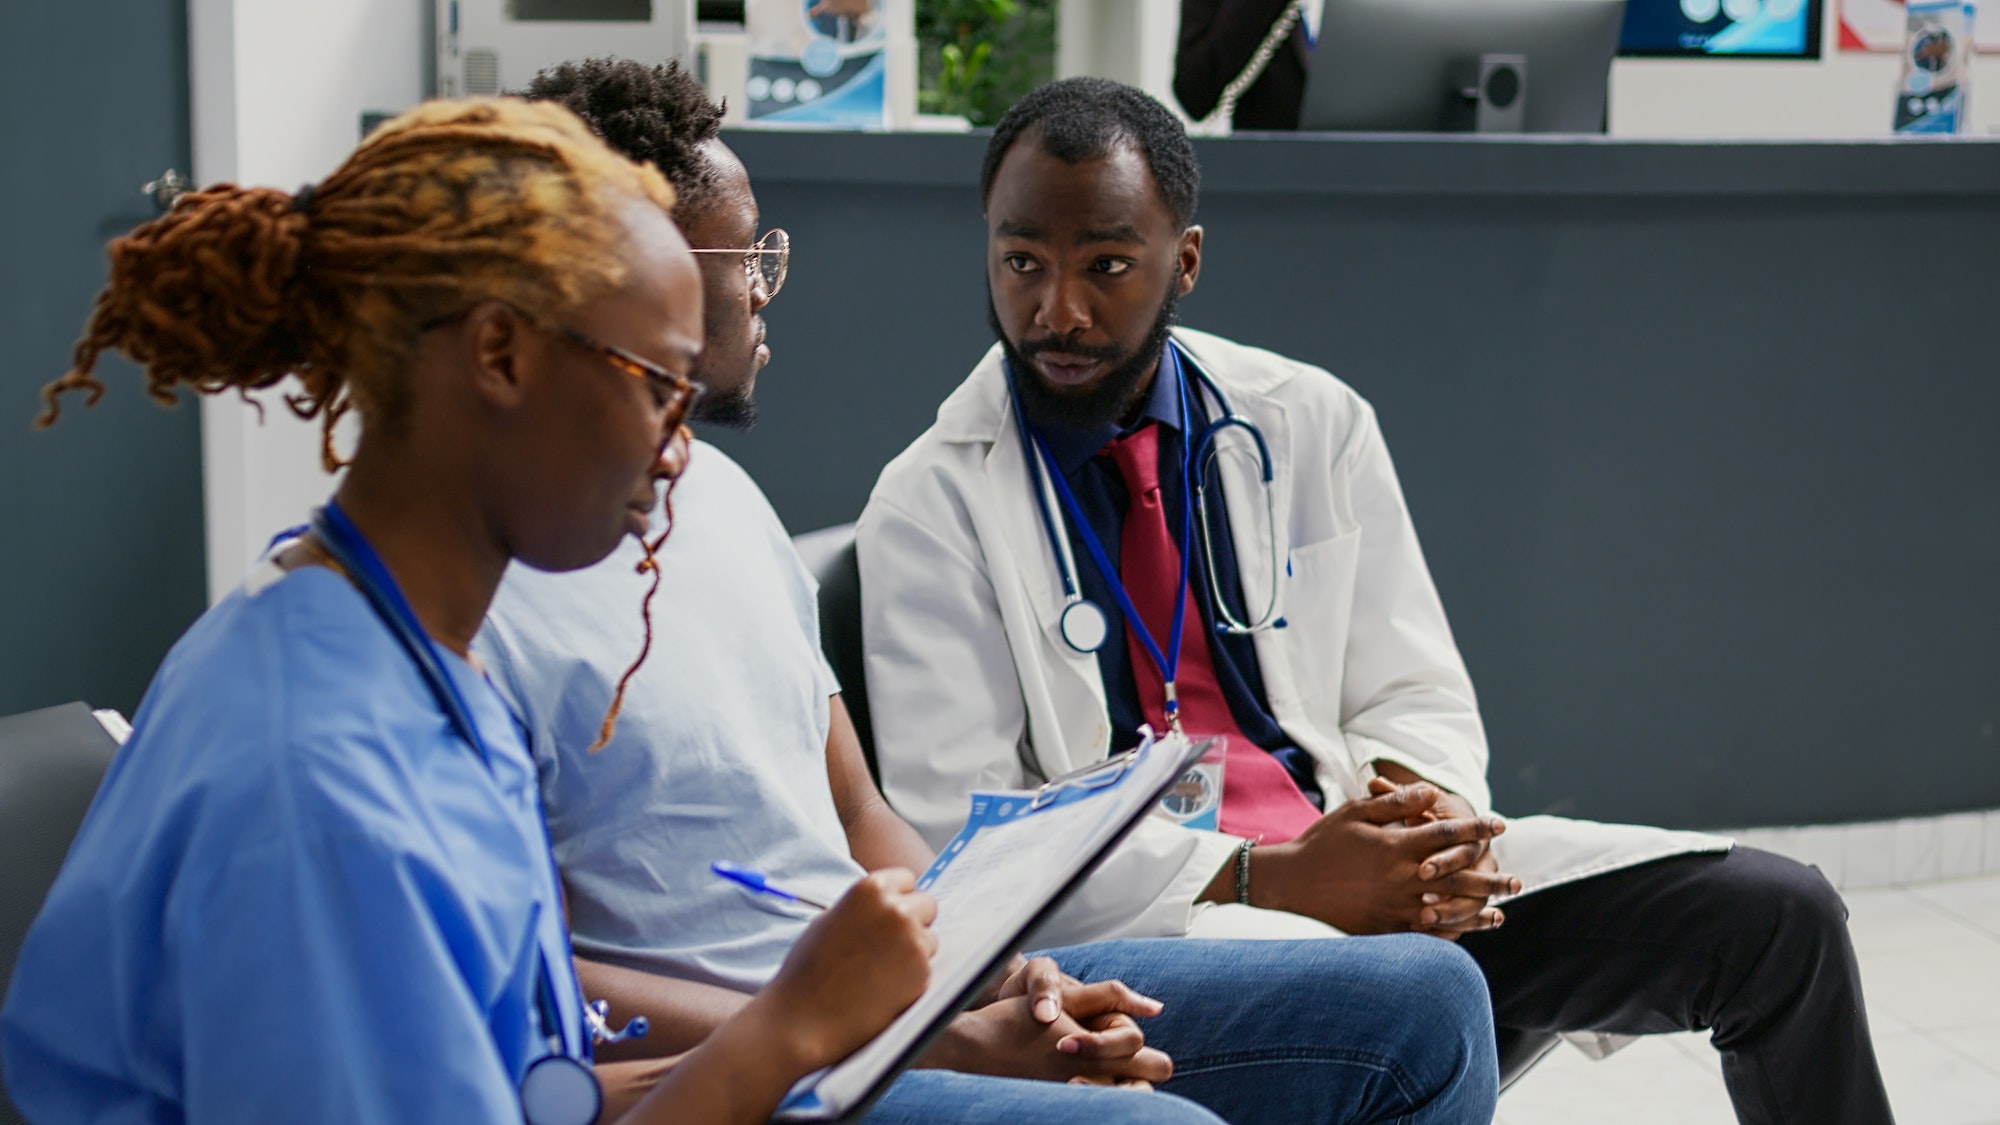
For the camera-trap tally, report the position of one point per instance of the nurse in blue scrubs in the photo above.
(315, 885)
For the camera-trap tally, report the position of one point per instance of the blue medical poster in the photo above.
(1756, 28)
(1937, 52)
(817, 63)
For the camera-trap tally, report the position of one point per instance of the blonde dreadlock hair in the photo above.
(448, 205)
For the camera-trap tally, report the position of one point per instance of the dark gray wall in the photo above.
(1703, 441)
(101, 565)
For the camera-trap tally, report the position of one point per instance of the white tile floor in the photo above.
(1930, 963)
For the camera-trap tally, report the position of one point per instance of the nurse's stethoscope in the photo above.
(1082, 624)
(558, 1088)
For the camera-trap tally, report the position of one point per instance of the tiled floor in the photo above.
(1930, 962)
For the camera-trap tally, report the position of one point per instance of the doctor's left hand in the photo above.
(1046, 1025)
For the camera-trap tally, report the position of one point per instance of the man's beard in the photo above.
(1115, 395)
(736, 410)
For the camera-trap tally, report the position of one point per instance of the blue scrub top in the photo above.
(299, 896)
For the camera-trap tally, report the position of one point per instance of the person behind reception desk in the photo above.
(1060, 559)
(315, 885)
(1217, 40)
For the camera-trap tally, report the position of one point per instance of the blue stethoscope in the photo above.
(1082, 623)
(558, 1088)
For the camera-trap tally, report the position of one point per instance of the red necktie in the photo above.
(1259, 797)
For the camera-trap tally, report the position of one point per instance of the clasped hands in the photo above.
(1042, 1023)
(866, 960)
(1407, 857)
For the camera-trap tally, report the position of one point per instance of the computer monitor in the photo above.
(1408, 65)
(489, 46)
(1753, 29)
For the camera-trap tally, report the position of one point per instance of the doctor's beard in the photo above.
(1109, 402)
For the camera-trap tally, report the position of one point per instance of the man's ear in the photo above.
(1190, 258)
(499, 346)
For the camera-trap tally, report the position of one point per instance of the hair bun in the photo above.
(200, 296)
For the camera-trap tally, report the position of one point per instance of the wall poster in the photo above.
(817, 63)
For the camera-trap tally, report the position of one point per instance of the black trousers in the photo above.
(1749, 944)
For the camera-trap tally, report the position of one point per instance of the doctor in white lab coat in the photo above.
(1089, 190)
(971, 684)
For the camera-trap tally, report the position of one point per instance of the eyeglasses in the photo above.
(678, 394)
(765, 262)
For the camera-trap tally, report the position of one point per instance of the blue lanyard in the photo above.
(365, 569)
(1168, 661)
(371, 576)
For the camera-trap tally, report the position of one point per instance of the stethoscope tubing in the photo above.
(365, 569)
(1201, 453)
(1167, 660)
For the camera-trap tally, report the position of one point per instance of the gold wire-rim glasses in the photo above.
(767, 262)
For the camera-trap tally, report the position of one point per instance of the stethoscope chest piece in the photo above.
(1083, 626)
(560, 1090)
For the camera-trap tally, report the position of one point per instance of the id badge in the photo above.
(1195, 799)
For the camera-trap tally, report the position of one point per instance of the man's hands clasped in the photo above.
(1043, 1024)
(863, 962)
(1408, 857)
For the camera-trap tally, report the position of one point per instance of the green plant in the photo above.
(978, 56)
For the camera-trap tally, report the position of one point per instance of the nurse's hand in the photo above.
(855, 969)
(1362, 866)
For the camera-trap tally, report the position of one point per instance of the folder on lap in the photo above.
(1020, 854)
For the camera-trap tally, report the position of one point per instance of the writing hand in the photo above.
(855, 968)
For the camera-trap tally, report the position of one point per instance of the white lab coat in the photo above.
(971, 686)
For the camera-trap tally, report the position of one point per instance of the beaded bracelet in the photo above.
(1243, 872)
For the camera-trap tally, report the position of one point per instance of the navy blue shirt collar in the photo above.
(1074, 446)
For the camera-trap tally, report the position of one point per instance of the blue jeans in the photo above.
(1395, 1028)
(1349, 1030)
(940, 1097)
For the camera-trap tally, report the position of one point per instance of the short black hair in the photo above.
(658, 115)
(1079, 119)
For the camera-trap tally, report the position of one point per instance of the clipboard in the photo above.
(1019, 856)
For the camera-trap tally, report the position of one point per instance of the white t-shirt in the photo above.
(720, 752)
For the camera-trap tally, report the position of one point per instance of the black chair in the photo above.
(50, 764)
(829, 555)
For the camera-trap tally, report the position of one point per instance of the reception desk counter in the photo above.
(1703, 441)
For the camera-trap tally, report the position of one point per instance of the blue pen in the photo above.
(755, 881)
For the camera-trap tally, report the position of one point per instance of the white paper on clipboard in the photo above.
(1019, 855)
